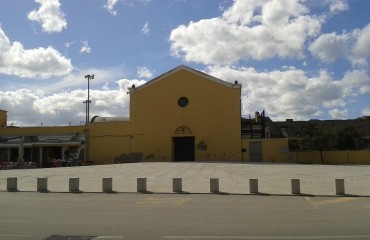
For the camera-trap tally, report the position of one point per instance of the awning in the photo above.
(15, 145)
(41, 144)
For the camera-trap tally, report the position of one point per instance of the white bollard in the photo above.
(141, 185)
(177, 184)
(11, 184)
(214, 185)
(74, 184)
(296, 186)
(253, 185)
(107, 185)
(339, 187)
(42, 184)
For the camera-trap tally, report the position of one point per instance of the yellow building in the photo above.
(182, 115)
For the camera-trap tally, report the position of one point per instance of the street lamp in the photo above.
(87, 102)
(86, 119)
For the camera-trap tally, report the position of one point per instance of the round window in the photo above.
(183, 102)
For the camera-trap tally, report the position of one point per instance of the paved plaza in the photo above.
(233, 177)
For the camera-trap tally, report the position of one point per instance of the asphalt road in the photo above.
(30, 215)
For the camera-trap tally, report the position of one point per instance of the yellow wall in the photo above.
(212, 115)
(273, 150)
(333, 157)
(106, 141)
(359, 157)
(3, 119)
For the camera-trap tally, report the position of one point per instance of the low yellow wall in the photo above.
(273, 150)
(332, 157)
(277, 150)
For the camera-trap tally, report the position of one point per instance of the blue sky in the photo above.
(300, 59)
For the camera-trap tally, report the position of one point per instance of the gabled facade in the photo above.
(182, 115)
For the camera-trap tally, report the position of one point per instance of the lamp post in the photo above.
(87, 102)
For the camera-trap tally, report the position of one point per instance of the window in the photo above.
(183, 102)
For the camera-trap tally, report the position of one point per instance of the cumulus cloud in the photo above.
(339, 114)
(352, 46)
(31, 63)
(85, 47)
(366, 112)
(27, 108)
(283, 26)
(144, 72)
(330, 47)
(110, 6)
(355, 82)
(338, 6)
(49, 15)
(145, 29)
(361, 50)
(290, 93)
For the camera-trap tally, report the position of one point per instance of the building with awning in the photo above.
(42, 150)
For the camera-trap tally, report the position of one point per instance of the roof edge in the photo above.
(189, 69)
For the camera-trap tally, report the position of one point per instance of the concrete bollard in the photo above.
(296, 186)
(253, 185)
(42, 184)
(141, 185)
(339, 187)
(214, 185)
(11, 184)
(107, 184)
(177, 184)
(74, 184)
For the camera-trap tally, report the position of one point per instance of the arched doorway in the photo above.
(183, 144)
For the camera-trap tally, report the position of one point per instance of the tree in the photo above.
(349, 138)
(318, 138)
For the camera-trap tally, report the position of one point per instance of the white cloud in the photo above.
(330, 47)
(77, 80)
(339, 114)
(290, 93)
(85, 47)
(49, 15)
(366, 112)
(31, 63)
(110, 6)
(338, 6)
(352, 46)
(356, 82)
(145, 29)
(26, 108)
(144, 72)
(361, 49)
(283, 26)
